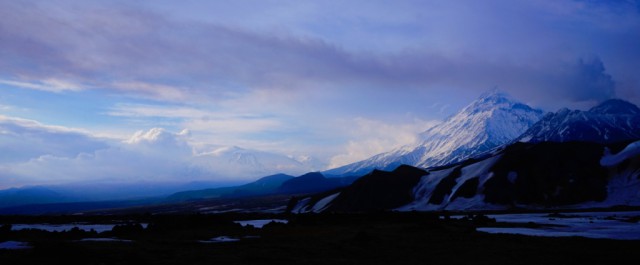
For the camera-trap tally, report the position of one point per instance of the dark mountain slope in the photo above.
(379, 190)
(312, 182)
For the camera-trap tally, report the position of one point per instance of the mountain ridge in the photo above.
(488, 122)
(597, 164)
(611, 121)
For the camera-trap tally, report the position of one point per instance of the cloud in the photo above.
(37, 154)
(159, 91)
(21, 140)
(159, 140)
(51, 85)
(141, 52)
(154, 155)
(591, 82)
(230, 121)
(137, 50)
(375, 137)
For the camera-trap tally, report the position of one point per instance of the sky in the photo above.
(157, 90)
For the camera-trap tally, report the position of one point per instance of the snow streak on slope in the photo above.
(492, 120)
(428, 185)
(535, 175)
(624, 186)
(631, 150)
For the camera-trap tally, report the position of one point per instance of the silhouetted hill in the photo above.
(313, 182)
(30, 195)
(379, 190)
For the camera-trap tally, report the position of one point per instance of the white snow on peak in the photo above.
(491, 121)
(609, 122)
(250, 163)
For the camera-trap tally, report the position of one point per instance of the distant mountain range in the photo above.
(236, 161)
(261, 186)
(490, 121)
(30, 195)
(612, 121)
(224, 161)
(271, 185)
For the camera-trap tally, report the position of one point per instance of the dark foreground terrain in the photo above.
(385, 238)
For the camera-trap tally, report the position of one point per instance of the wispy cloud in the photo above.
(51, 85)
(200, 120)
(22, 140)
(158, 91)
(140, 110)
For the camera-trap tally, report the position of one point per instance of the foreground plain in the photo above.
(383, 238)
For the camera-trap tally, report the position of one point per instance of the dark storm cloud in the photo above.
(469, 47)
(591, 82)
(100, 47)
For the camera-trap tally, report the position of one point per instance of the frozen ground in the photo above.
(66, 227)
(260, 223)
(105, 240)
(14, 245)
(611, 225)
(220, 239)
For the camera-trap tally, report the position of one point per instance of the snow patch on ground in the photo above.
(260, 223)
(14, 245)
(425, 188)
(423, 191)
(479, 170)
(66, 227)
(473, 203)
(526, 139)
(220, 239)
(322, 204)
(608, 160)
(611, 225)
(623, 189)
(105, 240)
(301, 206)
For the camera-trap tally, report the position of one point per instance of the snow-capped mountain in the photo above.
(492, 120)
(236, 161)
(521, 175)
(612, 121)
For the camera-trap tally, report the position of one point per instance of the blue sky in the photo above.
(336, 80)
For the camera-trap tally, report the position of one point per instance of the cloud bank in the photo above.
(37, 154)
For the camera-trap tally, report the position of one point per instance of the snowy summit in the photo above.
(490, 121)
